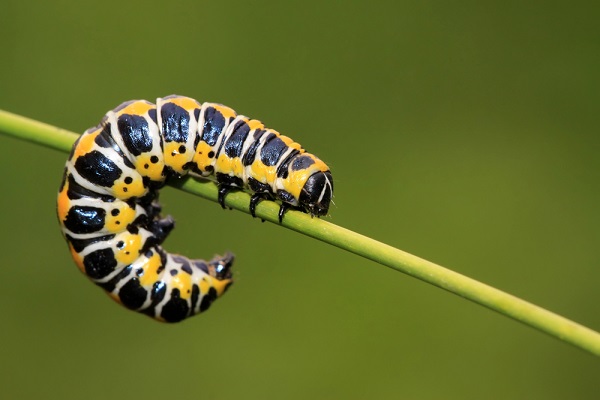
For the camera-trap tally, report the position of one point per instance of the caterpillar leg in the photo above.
(262, 191)
(150, 204)
(282, 210)
(223, 191)
(161, 229)
(257, 198)
(227, 183)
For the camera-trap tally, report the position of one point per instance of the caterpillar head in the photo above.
(316, 193)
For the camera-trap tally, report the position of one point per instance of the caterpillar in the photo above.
(108, 199)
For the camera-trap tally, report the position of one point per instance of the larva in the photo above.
(108, 199)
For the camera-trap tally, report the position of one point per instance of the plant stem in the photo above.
(504, 303)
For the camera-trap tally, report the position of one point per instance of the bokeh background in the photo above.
(464, 132)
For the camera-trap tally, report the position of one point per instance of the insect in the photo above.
(108, 199)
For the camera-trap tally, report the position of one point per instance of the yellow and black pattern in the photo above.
(108, 200)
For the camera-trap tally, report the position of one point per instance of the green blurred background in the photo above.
(463, 132)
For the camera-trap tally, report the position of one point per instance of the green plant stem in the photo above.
(504, 303)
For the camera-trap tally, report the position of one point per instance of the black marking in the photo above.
(152, 115)
(208, 299)
(111, 284)
(272, 151)
(282, 169)
(63, 179)
(83, 219)
(132, 294)
(126, 161)
(302, 162)
(176, 309)
(135, 132)
(76, 191)
(250, 154)
(157, 293)
(163, 258)
(99, 263)
(214, 122)
(76, 144)
(175, 123)
(201, 265)
(98, 169)
(104, 139)
(80, 244)
(235, 141)
(195, 296)
(187, 268)
(184, 261)
(159, 289)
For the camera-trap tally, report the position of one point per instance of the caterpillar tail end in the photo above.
(219, 268)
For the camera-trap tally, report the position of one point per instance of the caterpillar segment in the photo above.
(108, 200)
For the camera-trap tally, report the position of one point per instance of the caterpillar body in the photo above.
(108, 199)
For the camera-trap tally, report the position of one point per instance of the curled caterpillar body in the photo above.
(108, 200)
